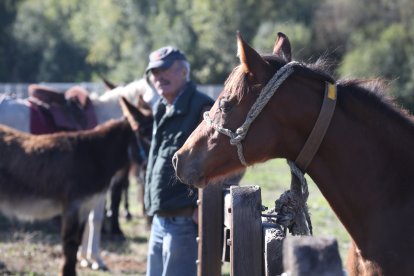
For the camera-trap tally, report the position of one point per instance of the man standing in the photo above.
(172, 246)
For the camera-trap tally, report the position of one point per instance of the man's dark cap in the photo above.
(164, 58)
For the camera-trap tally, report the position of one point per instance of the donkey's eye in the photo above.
(225, 105)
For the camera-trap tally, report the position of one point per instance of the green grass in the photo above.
(274, 177)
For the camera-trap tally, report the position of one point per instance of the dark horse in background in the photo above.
(363, 165)
(139, 152)
(64, 173)
(138, 156)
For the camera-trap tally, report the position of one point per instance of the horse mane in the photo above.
(374, 90)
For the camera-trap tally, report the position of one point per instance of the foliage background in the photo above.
(76, 40)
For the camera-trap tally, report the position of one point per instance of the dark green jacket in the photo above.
(163, 192)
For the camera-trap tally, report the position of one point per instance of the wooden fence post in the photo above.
(246, 253)
(273, 235)
(210, 230)
(311, 256)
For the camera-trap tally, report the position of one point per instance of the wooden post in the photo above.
(274, 235)
(226, 224)
(246, 253)
(308, 255)
(210, 230)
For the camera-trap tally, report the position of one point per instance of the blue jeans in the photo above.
(172, 247)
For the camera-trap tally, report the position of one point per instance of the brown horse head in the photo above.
(206, 155)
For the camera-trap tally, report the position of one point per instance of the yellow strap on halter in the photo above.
(331, 91)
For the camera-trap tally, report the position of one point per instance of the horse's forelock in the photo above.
(236, 84)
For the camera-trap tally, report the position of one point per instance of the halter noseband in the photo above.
(317, 134)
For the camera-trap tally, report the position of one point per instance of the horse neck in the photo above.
(356, 167)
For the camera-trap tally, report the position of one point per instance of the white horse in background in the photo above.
(15, 113)
(107, 105)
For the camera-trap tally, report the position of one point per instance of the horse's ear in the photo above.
(252, 63)
(130, 112)
(108, 84)
(282, 47)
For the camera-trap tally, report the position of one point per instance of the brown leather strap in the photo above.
(319, 130)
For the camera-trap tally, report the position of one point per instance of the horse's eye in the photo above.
(224, 106)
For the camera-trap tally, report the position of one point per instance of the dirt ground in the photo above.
(35, 249)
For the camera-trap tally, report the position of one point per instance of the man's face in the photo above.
(169, 82)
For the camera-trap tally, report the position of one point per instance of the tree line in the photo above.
(77, 40)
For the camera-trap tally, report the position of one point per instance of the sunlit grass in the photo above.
(274, 178)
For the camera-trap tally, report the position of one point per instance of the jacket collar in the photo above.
(181, 105)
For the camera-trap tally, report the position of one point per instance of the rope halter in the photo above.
(264, 97)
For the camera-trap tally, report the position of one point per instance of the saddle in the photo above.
(53, 111)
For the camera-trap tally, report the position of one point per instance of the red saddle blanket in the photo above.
(53, 117)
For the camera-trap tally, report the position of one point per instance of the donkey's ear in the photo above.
(282, 47)
(108, 84)
(143, 107)
(130, 112)
(252, 63)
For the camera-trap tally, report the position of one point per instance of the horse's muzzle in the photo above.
(185, 171)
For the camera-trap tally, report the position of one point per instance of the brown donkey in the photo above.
(63, 173)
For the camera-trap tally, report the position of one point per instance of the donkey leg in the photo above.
(140, 176)
(116, 194)
(71, 233)
(128, 215)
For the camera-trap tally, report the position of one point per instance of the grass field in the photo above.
(34, 249)
(274, 178)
